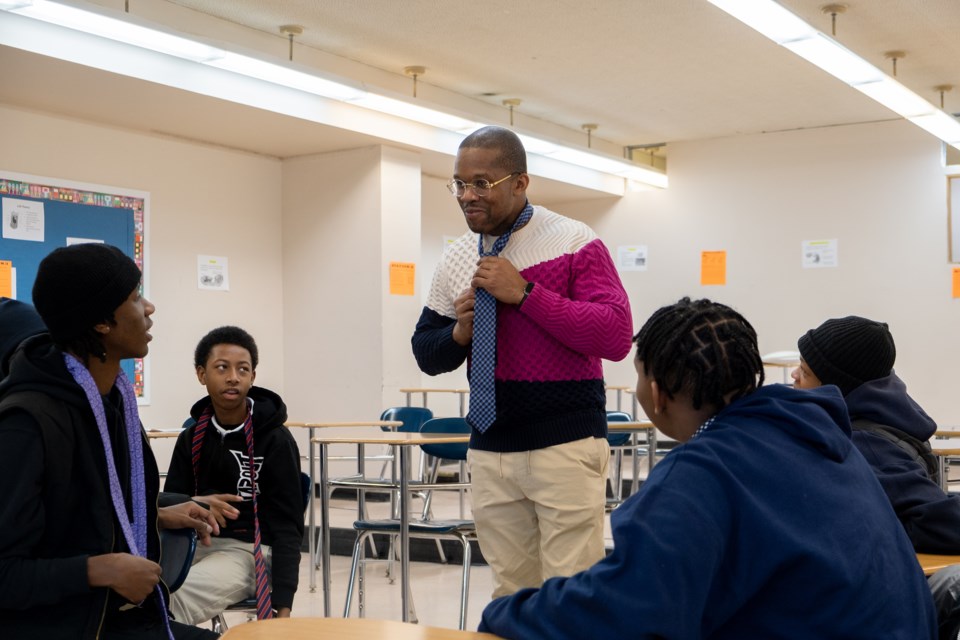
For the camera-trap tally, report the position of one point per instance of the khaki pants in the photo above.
(220, 575)
(539, 513)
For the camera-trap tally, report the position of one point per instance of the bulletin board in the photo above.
(40, 214)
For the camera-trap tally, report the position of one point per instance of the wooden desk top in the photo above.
(345, 629)
(931, 563)
(947, 433)
(419, 390)
(402, 438)
(155, 433)
(369, 423)
(642, 425)
(945, 451)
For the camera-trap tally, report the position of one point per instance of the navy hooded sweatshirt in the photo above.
(930, 517)
(770, 524)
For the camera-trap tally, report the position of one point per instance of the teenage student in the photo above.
(765, 522)
(891, 431)
(79, 543)
(240, 460)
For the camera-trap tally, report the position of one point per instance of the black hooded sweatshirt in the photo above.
(55, 505)
(224, 469)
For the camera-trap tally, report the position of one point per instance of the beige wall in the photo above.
(203, 200)
(309, 241)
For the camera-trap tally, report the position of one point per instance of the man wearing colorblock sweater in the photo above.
(538, 450)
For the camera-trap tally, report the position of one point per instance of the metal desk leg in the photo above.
(405, 531)
(942, 462)
(651, 450)
(312, 542)
(325, 528)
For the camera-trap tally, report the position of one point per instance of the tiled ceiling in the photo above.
(645, 71)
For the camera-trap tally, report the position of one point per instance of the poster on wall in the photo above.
(632, 258)
(40, 214)
(213, 273)
(819, 254)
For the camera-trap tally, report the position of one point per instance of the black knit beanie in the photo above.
(80, 286)
(848, 351)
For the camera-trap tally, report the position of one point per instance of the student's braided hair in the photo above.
(701, 347)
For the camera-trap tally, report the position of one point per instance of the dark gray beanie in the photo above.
(848, 351)
(80, 286)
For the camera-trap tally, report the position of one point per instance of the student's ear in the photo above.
(660, 398)
(202, 375)
(253, 376)
(103, 328)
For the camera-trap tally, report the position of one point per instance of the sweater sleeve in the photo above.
(27, 581)
(595, 320)
(433, 345)
(281, 504)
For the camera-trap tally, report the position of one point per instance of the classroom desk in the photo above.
(163, 433)
(942, 454)
(345, 629)
(931, 563)
(402, 441)
(461, 392)
(634, 428)
(311, 457)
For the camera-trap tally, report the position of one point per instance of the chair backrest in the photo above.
(411, 417)
(620, 438)
(177, 547)
(450, 451)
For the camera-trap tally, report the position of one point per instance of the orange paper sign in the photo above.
(402, 277)
(956, 282)
(713, 267)
(6, 278)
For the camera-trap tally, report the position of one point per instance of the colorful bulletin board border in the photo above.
(136, 202)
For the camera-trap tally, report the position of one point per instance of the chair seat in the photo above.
(392, 525)
(242, 605)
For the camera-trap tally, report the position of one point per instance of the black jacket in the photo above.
(930, 516)
(55, 505)
(280, 501)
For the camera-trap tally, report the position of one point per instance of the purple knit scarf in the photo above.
(134, 533)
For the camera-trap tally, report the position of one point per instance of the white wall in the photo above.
(203, 200)
(309, 283)
(878, 189)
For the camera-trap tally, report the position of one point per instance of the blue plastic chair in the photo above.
(618, 442)
(461, 530)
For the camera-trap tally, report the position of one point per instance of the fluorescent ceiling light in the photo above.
(769, 18)
(940, 124)
(288, 75)
(783, 27)
(285, 76)
(896, 97)
(119, 30)
(414, 112)
(835, 59)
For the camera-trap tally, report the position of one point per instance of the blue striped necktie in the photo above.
(483, 356)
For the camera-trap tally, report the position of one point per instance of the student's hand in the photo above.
(189, 515)
(463, 330)
(284, 612)
(131, 576)
(220, 506)
(500, 279)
